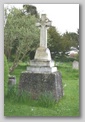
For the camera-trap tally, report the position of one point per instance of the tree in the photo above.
(32, 10)
(6, 73)
(20, 36)
(54, 41)
(68, 40)
(59, 44)
(78, 37)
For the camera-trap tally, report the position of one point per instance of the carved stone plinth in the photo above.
(38, 83)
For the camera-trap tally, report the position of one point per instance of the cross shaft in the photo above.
(44, 24)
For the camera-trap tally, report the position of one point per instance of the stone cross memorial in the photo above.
(42, 76)
(44, 24)
(42, 56)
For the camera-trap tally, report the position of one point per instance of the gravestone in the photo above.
(11, 81)
(75, 65)
(42, 76)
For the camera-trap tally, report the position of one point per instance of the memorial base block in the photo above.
(40, 83)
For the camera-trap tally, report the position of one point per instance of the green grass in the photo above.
(67, 106)
(25, 110)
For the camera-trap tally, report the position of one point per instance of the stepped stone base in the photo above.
(38, 83)
(41, 66)
(41, 69)
(41, 63)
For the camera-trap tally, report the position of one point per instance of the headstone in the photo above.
(75, 65)
(11, 81)
(42, 76)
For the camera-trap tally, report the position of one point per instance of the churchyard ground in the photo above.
(67, 106)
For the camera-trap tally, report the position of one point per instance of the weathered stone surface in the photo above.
(43, 54)
(41, 69)
(38, 83)
(41, 63)
(12, 81)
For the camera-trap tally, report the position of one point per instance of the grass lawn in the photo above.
(67, 106)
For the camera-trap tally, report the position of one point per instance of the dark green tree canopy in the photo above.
(54, 39)
(30, 9)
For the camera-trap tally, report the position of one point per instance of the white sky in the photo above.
(65, 17)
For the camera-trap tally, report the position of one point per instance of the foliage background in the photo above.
(21, 36)
(6, 73)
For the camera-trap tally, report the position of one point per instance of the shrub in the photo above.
(64, 58)
(6, 72)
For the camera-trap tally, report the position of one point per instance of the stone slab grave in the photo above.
(75, 65)
(42, 76)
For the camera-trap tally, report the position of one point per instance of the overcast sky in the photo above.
(64, 16)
